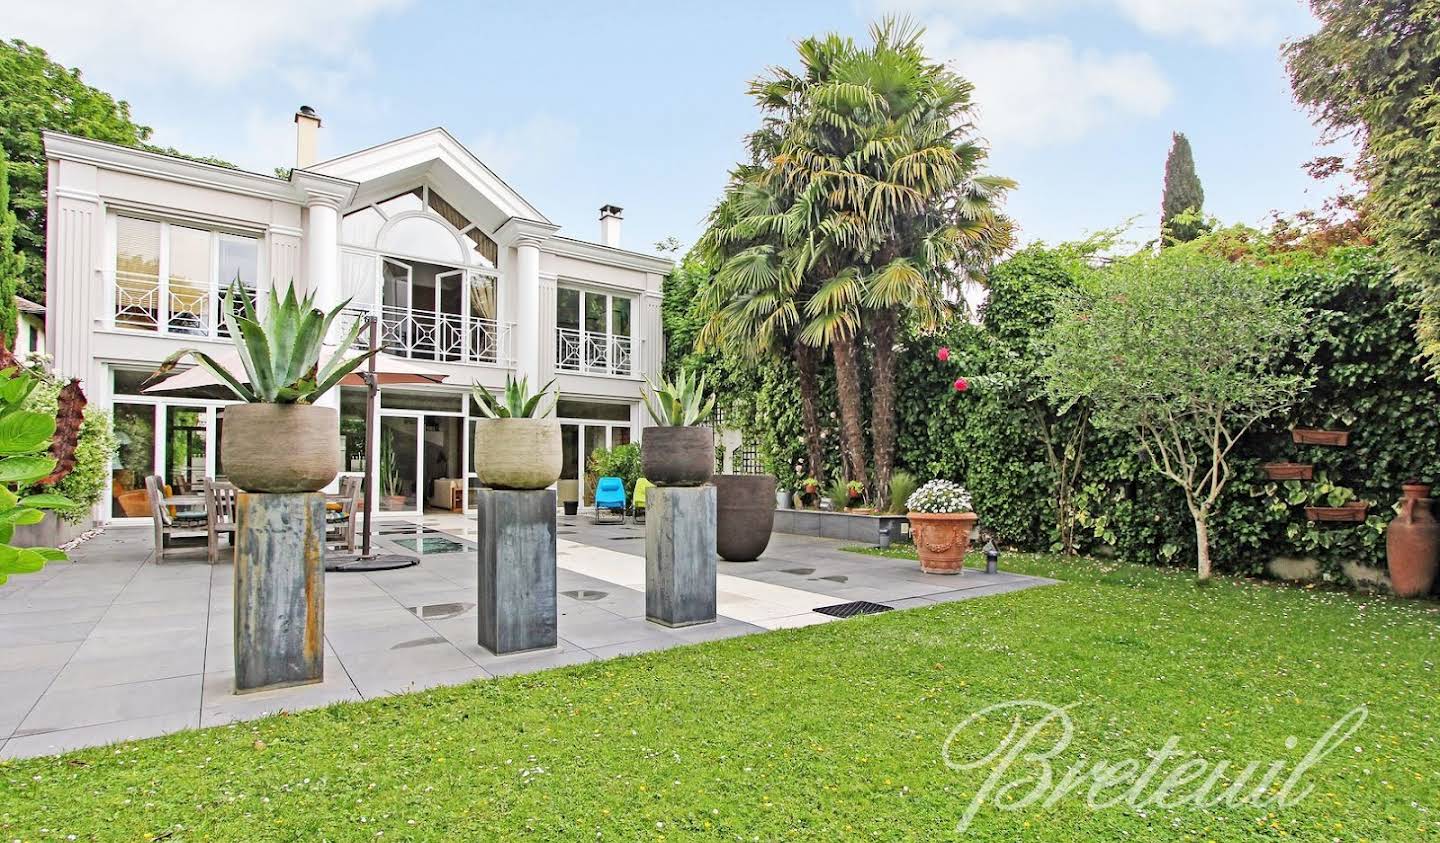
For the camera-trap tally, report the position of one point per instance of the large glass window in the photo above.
(593, 332)
(172, 277)
(185, 447)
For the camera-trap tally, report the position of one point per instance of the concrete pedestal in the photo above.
(517, 603)
(680, 555)
(279, 590)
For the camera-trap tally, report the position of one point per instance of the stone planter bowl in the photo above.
(281, 448)
(941, 540)
(517, 453)
(744, 515)
(679, 456)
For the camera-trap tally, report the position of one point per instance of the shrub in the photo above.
(902, 485)
(94, 451)
(621, 461)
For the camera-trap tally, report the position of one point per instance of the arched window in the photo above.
(419, 223)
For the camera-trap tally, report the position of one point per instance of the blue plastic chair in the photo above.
(610, 498)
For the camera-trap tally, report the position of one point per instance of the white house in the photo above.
(29, 326)
(466, 276)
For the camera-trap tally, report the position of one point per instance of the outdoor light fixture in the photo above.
(992, 558)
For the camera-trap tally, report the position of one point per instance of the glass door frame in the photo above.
(420, 491)
(159, 406)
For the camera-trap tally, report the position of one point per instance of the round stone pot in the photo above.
(678, 456)
(281, 448)
(1412, 544)
(744, 515)
(941, 540)
(517, 453)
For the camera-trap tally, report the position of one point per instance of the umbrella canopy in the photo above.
(389, 370)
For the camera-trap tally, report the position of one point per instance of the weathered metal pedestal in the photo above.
(517, 603)
(279, 590)
(680, 555)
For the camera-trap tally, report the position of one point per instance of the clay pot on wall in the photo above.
(1412, 543)
(941, 540)
(281, 448)
(679, 456)
(517, 453)
(744, 515)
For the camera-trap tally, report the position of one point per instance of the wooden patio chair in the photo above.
(219, 515)
(169, 523)
(341, 513)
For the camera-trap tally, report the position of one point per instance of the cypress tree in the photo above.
(12, 263)
(1183, 194)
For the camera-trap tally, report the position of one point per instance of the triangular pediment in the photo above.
(436, 158)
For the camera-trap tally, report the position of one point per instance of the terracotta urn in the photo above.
(517, 453)
(678, 456)
(281, 448)
(1412, 543)
(744, 515)
(941, 540)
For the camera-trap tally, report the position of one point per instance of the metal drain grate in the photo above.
(850, 610)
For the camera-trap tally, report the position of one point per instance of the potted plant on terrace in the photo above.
(941, 520)
(517, 444)
(279, 441)
(678, 451)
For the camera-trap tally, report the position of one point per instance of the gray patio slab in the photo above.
(112, 646)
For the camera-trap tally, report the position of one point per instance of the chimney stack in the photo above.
(610, 225)
(307, 126)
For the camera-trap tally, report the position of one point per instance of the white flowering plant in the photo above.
(939, 497)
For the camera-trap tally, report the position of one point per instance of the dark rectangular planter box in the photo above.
(1288, 471)
(1309, 436)
(1354, 511)
(846, 526)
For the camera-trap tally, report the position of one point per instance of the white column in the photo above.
(527, 311)
(322, 251)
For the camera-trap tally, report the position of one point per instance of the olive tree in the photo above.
(1183, 352)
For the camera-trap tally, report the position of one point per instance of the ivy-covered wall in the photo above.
(1367, 382)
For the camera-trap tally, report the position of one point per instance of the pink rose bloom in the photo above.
(961, 384)
(943, 354)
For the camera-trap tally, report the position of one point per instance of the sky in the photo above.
(643, 104)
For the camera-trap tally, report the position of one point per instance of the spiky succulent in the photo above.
(281, 352)
(517, 401)
(678, 403)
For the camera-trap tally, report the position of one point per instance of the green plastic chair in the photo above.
(639, 511)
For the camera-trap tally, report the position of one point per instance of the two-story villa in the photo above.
(466, 277)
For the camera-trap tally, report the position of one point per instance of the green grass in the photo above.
(824, 733)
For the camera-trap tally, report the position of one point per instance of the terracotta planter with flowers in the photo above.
(941, 521)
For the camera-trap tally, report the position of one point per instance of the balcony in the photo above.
(441, 337)
(188, 308)
(592, 353)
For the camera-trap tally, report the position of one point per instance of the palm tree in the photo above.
(863, 208)
(882, 149)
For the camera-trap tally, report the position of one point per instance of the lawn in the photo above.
(825, 733)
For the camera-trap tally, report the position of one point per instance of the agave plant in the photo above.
(280, 353)
(678, 403)
(518, 403)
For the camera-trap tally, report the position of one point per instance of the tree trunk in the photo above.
(807, 365)
(852, 410)
(1202, 547)
(882, 387)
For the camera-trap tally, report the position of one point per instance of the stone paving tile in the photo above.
(60, 709)
(389, 686)
(99, 735)
(98, 672)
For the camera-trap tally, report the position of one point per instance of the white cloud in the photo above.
(523, 153)
(213, 42)
(1044, 91)
(1214, 22)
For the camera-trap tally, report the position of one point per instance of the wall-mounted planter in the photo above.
(1354, 511)
(1311, 436)
(1288, 471)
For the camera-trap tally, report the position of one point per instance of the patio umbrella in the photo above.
(382, 369)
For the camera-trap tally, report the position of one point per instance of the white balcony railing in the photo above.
(189, 308)
(592, 353)
(444, 337)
